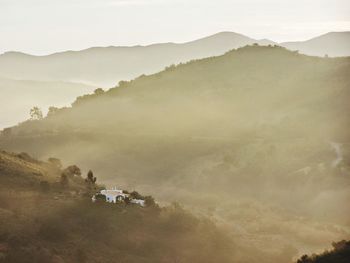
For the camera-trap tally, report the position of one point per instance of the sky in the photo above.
(45, 26)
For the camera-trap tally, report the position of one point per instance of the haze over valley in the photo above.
(150, 131)
(233, 136)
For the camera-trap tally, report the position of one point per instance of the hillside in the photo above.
(282, 86)
(25, 94)
(50, 224)
(256, 138)
(105, 66)
(22, 171)
(333, 44)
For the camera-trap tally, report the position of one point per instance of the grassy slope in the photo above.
(59, 226)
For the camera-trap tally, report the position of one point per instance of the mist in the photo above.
(158, 131)
(242, 138)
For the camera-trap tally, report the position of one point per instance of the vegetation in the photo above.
(339, 254)
(43, 223)
(36, 113)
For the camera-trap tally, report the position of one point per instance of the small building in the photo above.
(114, 195)
(117, 196)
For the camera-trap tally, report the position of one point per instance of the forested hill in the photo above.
(244, 89)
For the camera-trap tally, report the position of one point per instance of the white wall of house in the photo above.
(114, 195)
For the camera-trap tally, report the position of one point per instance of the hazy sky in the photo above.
(45, 26)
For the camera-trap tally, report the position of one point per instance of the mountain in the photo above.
(105, 66)
(19, 96)
(256, 138)
(333, 44)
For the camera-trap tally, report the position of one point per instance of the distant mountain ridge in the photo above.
(333, 44)
(105, 66)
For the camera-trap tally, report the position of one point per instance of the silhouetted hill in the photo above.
(256, 138)
(105, 66)
(333, 44)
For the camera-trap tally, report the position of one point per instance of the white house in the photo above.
(116, 195)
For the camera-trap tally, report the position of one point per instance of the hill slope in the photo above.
(333, 44)
(257, 138)
(52, 225)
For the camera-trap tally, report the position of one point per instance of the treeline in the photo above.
(339, 254)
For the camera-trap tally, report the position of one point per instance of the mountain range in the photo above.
(105, 66)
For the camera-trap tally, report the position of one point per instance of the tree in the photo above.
(90, 182)
(35, 113)
(149, 201)
(90, 178)
(98, 91)
(52, 111)
(135, 195)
